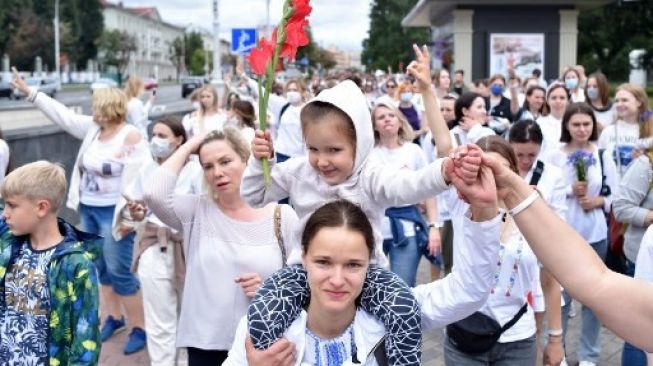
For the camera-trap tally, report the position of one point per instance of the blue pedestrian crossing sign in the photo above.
(243, 40)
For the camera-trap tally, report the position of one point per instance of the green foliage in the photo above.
(388, 43)
(176, 52)
(30, 38)
(198, 61)
(27, 30)
(116, 47)
(193, 43)
(606, 36)
(315, 53)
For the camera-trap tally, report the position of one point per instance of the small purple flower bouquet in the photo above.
(581, 160)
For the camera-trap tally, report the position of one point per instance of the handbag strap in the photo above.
(516, 318)
(278, 234)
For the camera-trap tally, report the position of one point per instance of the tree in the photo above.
(176, 51)
(198, 60)
(606, 35)
(29, 38)
(315, 53)
(86, 23)
(116, 48)
(388, 43)
(193, 43)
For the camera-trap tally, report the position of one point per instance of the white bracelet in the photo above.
(555, 332)
(524, 204)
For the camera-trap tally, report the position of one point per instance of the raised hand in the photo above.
(467, 161)
(18, 83)
(262, 145)
(420, 68)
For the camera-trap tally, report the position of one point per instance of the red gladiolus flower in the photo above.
(301, 9)
(260, 56)
(295, 37)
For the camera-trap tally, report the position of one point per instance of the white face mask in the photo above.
(293, 97)
(160, 147)
(196, 106)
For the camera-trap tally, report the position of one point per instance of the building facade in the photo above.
(485, 37)
(153, 38)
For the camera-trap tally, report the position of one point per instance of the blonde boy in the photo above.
(48, 283)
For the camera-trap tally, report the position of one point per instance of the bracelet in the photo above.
(524, 204)
(555, 332)
(433, 225)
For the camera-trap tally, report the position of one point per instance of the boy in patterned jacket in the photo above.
(48, 283)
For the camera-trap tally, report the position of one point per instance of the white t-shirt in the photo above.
(102, 165)
(407, 156)
(4, 159)
(290, 140)
(591, 225)
(551, 130)
(518, 284)
(644, 268)
(620, 137)
(552, 186)
(189, 182)
(199, 124)
(606, 117)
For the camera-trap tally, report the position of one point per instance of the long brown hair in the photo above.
(500, 146)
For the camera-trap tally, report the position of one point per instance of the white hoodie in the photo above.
(371, 186)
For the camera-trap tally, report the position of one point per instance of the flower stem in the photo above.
(264, 94)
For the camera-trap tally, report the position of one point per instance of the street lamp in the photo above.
(57, 66)
(217, 69)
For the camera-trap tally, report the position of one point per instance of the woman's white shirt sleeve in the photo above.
(466, 289)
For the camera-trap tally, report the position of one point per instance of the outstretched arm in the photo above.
(420, 69)
(576, 266)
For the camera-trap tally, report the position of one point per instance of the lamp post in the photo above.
(57, 66)
(217, 69)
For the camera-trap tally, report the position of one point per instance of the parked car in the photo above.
(5, 90)
(150, 84)
(102, 83)
(45, 85)
(189, 84)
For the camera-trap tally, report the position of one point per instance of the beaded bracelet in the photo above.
(524, 204)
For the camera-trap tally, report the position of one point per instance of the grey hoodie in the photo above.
(370, 186)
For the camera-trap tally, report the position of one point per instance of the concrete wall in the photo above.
(515, 19)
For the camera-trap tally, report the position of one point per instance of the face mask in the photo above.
(571, 83)
(243, 90)
(196, 106)
(293, 97)
(593, 93)
(406, 97)
(496, 90)
(160, 147)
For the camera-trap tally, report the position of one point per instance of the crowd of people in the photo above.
(517, 192)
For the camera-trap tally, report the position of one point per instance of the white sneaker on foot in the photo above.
(586, 363)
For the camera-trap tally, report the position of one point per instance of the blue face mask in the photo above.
(571, 83)
(593, 93)
(496, 90)
(406, 97)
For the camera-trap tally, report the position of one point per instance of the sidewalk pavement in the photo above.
(432, 351)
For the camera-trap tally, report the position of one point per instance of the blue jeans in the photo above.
(631, 355)
(114, 264)
(518, 353)
(589, 348)
(404, 258)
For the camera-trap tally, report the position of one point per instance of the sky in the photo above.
(343, 23)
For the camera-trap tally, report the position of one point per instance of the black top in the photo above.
(500, 110)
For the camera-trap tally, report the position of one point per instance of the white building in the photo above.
(153, 39)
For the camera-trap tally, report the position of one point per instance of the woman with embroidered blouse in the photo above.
(516, 293)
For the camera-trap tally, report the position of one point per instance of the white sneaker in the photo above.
(586, 363)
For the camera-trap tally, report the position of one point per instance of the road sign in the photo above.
(243, 40)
